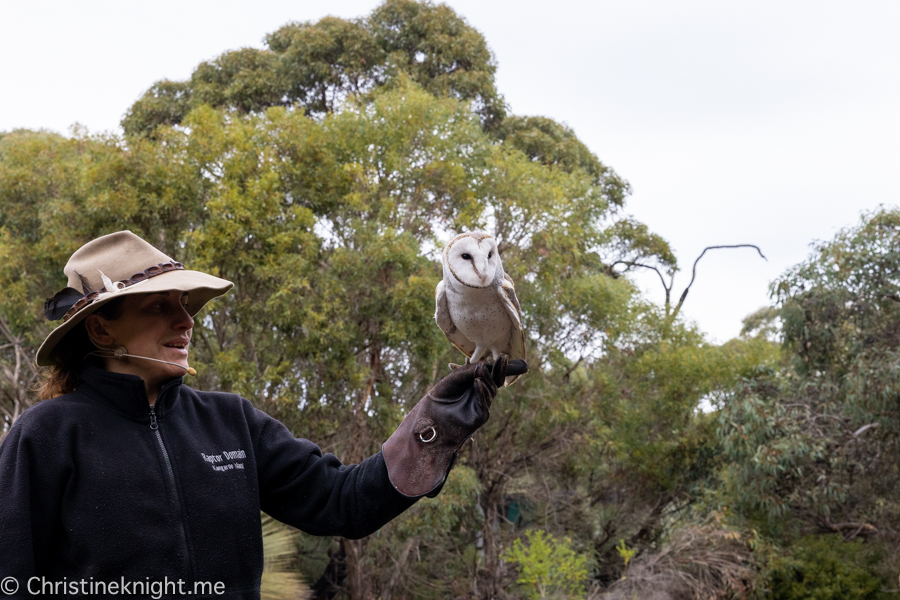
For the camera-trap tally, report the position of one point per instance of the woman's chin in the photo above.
(176, 356)
(179, 368)
(172, 366)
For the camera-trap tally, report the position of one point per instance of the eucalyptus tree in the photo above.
(810, 444)
(316, 66)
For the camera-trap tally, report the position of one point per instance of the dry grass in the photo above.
(700, 562)
(279, 581)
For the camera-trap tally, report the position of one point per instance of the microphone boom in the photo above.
(122, 352)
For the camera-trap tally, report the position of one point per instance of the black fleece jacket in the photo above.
(96, 486)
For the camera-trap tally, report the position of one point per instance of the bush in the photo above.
(549, 567)
(825, 568)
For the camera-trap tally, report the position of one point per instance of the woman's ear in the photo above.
(96, 330)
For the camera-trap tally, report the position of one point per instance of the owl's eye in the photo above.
(490, 254)
(467, 256)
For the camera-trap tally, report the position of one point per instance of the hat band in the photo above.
(149, 272)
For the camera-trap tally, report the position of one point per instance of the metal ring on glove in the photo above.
(431, 439)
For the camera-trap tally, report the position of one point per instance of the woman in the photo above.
(128, 476)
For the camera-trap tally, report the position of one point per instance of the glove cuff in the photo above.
(419, 454)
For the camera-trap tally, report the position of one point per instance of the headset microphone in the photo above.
(122, 352)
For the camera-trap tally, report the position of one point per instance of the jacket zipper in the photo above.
(154, 426)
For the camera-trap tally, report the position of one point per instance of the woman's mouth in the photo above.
(180, 347)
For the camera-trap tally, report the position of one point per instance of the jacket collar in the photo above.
(124, 394)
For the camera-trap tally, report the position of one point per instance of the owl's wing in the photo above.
(510, 301)
(445, 322)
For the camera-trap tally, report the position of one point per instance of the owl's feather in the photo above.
(445, 322)
(517, 342)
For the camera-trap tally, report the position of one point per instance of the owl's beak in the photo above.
(482, 274)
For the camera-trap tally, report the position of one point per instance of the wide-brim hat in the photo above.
(116, 265)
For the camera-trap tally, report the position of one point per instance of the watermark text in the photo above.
(156, 589)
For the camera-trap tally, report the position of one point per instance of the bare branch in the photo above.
(694, 270)
(863, 429)
(855, 528)
(572, 368)
(17, 372)
(637, 264)
(7, 332)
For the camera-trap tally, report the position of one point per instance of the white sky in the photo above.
(766, 122)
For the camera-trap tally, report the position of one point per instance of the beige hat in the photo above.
(116, 265)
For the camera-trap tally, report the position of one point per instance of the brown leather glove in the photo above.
(420, 453)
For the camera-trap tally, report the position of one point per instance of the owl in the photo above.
(476, 305)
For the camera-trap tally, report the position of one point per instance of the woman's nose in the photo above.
(184, 321)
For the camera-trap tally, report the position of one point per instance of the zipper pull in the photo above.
(153, 424)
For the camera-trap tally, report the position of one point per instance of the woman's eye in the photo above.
(467, 256)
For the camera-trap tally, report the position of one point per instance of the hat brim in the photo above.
(201, 288)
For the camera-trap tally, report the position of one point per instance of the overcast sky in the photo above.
(764, 122)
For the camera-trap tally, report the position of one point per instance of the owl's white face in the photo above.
(473, 259)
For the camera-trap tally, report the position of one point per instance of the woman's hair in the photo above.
(71, 353)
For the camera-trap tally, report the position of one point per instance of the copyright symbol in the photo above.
(9, 586)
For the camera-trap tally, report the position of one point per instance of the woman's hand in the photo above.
(419, 454)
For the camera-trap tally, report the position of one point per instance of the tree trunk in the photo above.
(489, 575)
(358, 586)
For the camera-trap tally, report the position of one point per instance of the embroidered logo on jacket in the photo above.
(226, 461)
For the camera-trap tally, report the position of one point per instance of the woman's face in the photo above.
(153, 325)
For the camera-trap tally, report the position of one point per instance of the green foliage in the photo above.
(323, 62)
(441, 52)
(811, 440)
(317, 66)
(657, 430)
(638, 244)
(165, 104)
(549, 567)
(843, 302)
(431, 546)
(808, 442)
(454, 509)
(548, 142)
(824, 568)
(625, 552)
(763, 322)
(246, 80)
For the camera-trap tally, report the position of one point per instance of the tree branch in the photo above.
(694, 270)
(637, 264)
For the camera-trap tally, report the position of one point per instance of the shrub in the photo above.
(825, 568)
(550, 567)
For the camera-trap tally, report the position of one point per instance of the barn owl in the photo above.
(476, 305)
